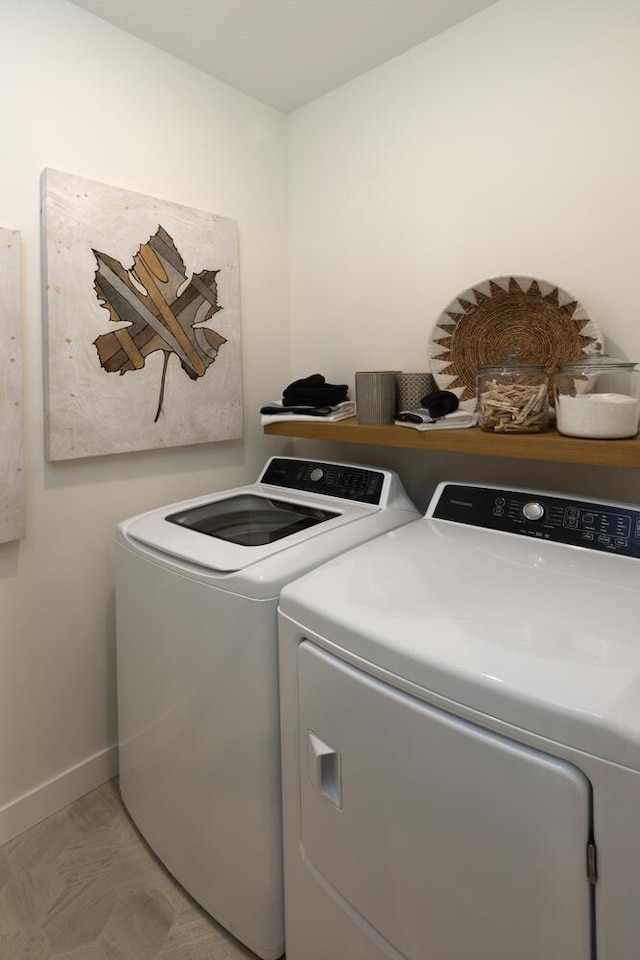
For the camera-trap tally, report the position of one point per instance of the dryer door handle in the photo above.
(324, 767)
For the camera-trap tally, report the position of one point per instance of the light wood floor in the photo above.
(83, 885)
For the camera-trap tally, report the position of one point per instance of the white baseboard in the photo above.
(34, 806)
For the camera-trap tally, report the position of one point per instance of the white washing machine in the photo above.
(197, 587)
(461, 736)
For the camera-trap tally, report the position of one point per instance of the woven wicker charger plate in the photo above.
(537, 320)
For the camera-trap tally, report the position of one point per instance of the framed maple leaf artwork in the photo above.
(11, 472)
(142, 321)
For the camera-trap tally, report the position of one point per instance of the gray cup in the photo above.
(411, 388)
(376, 396)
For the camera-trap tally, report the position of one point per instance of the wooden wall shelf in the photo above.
(543, 446)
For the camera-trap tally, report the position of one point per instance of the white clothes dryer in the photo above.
(197, 587)
(461, 736)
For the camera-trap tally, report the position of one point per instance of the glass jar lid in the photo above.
(596, 364)
(594, 361)
(511, 364)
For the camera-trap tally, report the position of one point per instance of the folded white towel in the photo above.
(342, 411)
(453, 421)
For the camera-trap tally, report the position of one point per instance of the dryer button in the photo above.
(533, 510)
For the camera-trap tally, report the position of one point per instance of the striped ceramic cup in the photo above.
(376, 396)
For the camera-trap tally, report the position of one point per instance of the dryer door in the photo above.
(447, 840)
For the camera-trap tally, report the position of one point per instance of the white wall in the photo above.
(83, 97)
(508, 145)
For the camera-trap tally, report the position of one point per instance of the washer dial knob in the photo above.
(317, 474)
(533, 510)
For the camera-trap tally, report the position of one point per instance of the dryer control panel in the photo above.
(608, 527)
(330, 479)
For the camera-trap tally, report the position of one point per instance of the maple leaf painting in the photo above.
(163, 311)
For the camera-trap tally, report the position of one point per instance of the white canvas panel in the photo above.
(11, 472)
(143, 321)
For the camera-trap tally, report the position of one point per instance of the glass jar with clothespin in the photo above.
(513, 397)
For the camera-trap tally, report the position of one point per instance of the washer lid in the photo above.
(539, 635)
(231, 530)
(250, 520)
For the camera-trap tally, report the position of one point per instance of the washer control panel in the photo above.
(607, 527)
(329, 479)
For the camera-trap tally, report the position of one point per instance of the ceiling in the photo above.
(284, 52)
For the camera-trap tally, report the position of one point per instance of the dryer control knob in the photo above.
(316, 474)
(533, 510)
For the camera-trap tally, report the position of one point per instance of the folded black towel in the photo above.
(322, 396)
(315, 380)
(314, 391)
